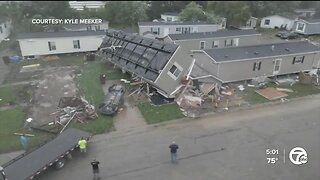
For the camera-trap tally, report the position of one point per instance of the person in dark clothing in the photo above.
(173, 149)
(95, 169)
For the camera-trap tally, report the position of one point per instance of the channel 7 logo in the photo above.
(298, 156)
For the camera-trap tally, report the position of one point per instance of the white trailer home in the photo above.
(5, 29)
(276, 21)
(46, 43)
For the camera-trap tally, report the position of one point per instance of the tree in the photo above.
(317, 14)
(121, 13)
(307, 4)
(236, 12)
(213, 18)
(192, 12)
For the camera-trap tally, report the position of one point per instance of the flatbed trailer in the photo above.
(28, 165)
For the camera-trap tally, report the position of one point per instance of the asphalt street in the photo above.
(230, 146)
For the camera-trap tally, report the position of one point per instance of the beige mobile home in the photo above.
(245, 63)
(218, 39)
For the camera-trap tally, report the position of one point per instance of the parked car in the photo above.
(280, 33)
(113, 100)
(289, 35)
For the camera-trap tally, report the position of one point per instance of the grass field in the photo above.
(15, 94)
(156, 114)
(90, 87)
(12, 121)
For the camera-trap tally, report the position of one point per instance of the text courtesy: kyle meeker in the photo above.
(66, 21)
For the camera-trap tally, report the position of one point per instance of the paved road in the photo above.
(226, 147)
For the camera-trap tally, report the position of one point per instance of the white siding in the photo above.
(104, 26)
(39, 46)
(276, 21)
(173, 28)
(173, 18)
(6, 30)
(78, 5)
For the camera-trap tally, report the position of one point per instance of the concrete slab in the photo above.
(129, 117)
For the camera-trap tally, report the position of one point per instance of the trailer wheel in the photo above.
(60, 163)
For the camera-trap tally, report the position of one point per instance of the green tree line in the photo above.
(128, 13)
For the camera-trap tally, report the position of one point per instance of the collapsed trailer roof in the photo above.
(142, 56)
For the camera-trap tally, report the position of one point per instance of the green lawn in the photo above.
(12, 121)
(299, 89)
(156, 114)
(90, 87)
(7, 95)
(14, 94)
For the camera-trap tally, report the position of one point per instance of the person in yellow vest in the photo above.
(83, 145)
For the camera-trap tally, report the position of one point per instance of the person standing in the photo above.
(173, 149)
(95, 169)
(82, 145)
(24, 141)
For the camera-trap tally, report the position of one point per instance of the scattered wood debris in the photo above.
(271, 93)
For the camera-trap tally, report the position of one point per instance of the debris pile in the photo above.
(74, 108)
(193, 96)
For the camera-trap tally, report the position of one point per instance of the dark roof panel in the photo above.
(58, 34)
(261, 51)
(142, 56)
(220, 33)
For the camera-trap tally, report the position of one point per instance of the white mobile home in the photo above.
(276, 21)
(307, 27)
(5, 29)
(170, 16)
(79, 5)
(162, 29)
(46, 43)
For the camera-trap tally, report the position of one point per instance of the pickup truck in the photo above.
(53, 153)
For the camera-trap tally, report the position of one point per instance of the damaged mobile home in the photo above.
(162, 65)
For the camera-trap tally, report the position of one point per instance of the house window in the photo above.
(89, 28)
(215, 43)
(178, 29)
(256, 66)
(298, 60)
(97, 28)
(5, 25)
(186, 30)
(76, 44)
(228, 42)
(52, 45)
(202, 44)
(300, 27)
(1, 29)
(267, 22)
(155, 31)
(169, 18)
(175, 71)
